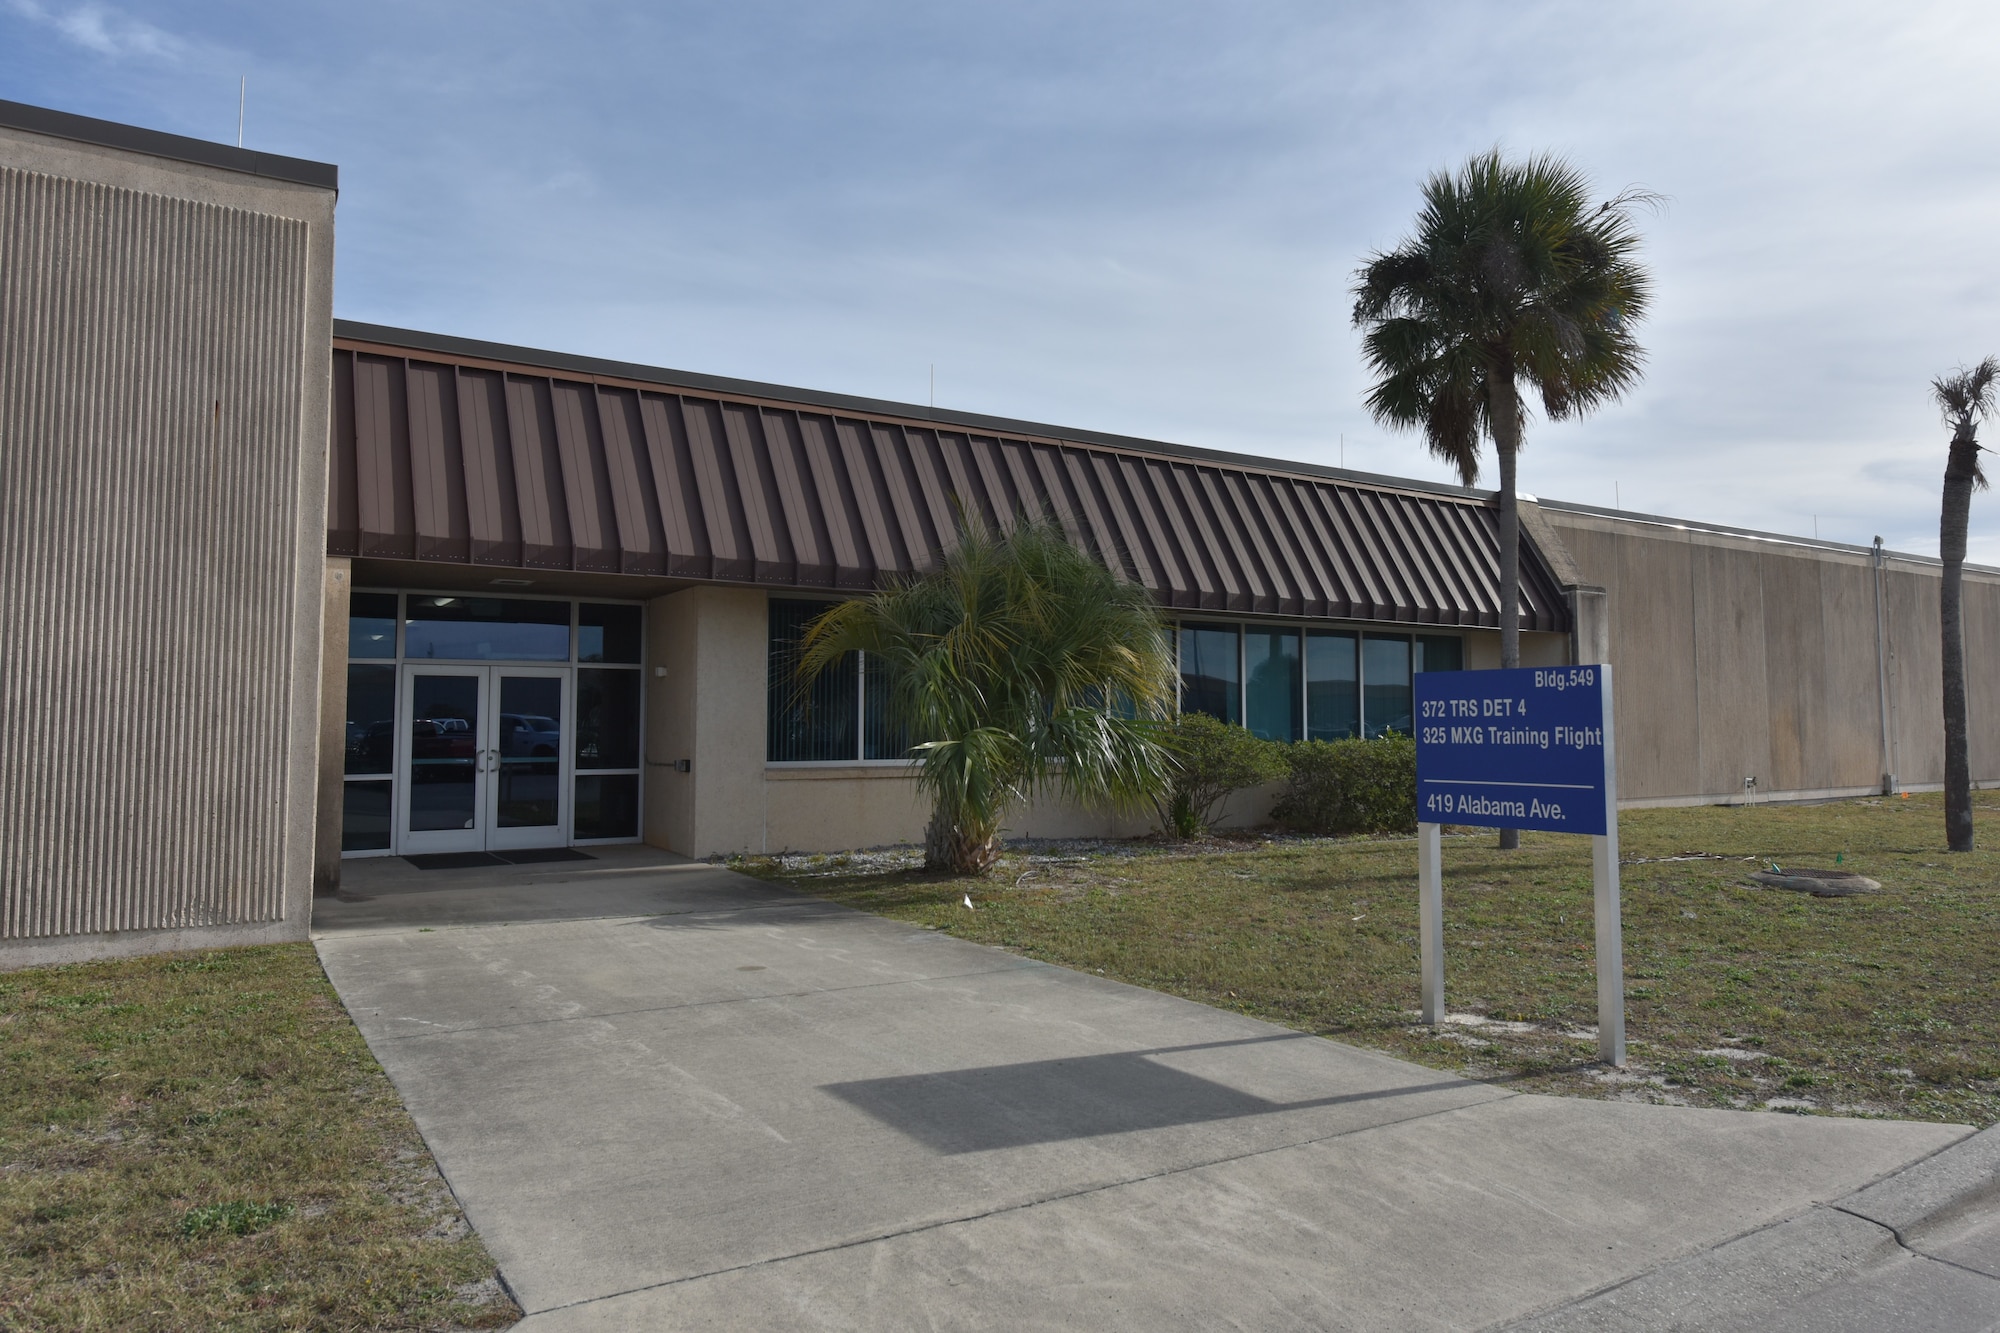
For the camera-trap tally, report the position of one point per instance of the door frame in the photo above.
(408, 842)
(542, 835)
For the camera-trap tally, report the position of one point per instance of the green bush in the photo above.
(1351, 786)
(1211, 760)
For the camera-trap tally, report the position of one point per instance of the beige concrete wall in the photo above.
(339, 596)
(710, 707)
(1742, 657)
(165, 343)
(825, 807)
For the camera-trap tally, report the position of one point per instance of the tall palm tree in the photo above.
(1514, 275)
(1966, 398)
(1027, 666)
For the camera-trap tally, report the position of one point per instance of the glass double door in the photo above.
(485, 754)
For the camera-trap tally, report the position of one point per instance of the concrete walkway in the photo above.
(674, 1097)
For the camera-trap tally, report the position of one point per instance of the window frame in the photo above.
(860, 758)
(571, 665)
(1299, 628)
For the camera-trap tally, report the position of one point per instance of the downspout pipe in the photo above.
(1889, 783)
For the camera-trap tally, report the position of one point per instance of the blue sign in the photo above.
(1522, 748)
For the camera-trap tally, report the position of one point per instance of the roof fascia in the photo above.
(174, 147)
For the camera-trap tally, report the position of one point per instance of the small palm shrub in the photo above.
(1350, 786)
(1211, 760)
(1006, 657)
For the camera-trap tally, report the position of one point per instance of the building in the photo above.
(277, 589)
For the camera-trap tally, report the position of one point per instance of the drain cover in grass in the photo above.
(1819, 883)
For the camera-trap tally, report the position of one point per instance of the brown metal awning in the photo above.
(473, 454)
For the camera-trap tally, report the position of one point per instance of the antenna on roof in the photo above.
(933, 384)
(242, 89)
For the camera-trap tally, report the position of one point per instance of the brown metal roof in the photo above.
(448, 453)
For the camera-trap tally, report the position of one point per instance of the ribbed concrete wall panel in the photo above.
(1744, 656)
(151, 493)
(447, 459)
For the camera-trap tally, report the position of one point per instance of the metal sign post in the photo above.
(1527, 748)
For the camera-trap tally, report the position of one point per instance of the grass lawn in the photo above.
(202, 1141)
(1738, 995)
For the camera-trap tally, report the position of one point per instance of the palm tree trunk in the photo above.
(952, 845)
(1506, 423)
(1958, 480)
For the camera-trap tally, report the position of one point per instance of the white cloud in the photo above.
(105, 31)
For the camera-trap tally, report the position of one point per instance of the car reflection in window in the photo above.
(441, 740)
(527, 736)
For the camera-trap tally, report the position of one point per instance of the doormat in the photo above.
(534, 856)
(453, 860)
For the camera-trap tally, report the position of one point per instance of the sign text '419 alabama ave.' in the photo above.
(1520, 748)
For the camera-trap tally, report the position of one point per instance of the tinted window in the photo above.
(1385, 684)
(607, 719)
(607, 805)
(1440, 652)
(508, 629)
(1333, 696)
(883, 739)
(819, 723)
(364, 817)
(1210, 672)
(371, 625)
(1272, 660)
(606, 633)
(371, 719)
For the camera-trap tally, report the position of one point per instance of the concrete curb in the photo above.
(1871, 1243)
(1940, 1190)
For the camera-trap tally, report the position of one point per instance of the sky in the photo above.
(1141, 218)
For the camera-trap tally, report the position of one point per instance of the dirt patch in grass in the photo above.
(202, 1141)
(1738, 995)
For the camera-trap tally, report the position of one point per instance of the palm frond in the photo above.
(1966, 397)
(1003, 662)
(1513, 271)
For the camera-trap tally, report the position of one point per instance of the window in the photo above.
(364, 816)
(1333, 685)
(607, 754)
(1211, 672)
(491, 629)
(607, 806)
(1271, 678)
(607, 719)
(1285, 682)
(371, 720)
(371, 624)
(843, 717)
(1385, 684)
(540, 745)
(607, 633)
(881, 738)
(1440, 652)
(820, 723)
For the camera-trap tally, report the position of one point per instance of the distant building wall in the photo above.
(165, 337)
(1738, 656)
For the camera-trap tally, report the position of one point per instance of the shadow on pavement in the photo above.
(1049, 1101)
